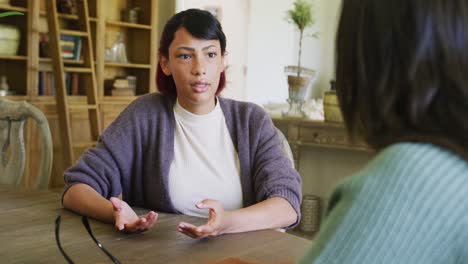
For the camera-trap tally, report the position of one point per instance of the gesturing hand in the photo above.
(127, 220)
(215, 225)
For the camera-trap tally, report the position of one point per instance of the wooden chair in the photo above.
(13, 116)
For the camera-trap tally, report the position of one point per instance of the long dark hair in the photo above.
(402, 70)
(201, 24)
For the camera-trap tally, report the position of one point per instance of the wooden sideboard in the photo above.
(309, 133)
(330, 156)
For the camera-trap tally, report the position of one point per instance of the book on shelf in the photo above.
(75, 84)
(125, 82)
(123, 92)
(52, 84)
(124, 86)
(46, 84)
(70, 46)
(121, 83)
(40, 88)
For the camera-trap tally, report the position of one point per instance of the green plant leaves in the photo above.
(301, 15)
(10, 13)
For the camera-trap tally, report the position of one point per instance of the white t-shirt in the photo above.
(205, 165)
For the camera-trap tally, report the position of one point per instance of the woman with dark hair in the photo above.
(401, 83)
(187, 150)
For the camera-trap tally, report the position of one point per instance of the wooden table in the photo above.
(27, 221)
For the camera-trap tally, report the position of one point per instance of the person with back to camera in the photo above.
(188, 150)
(402, 85)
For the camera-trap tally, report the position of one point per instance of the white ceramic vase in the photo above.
(9, 39)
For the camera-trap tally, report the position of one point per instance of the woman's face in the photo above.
(196, 66)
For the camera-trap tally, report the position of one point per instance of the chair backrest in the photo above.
(285, 146)
(13, 115)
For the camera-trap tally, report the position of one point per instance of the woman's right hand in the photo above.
(127, 220)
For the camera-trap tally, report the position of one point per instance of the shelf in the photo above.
(77, 69)
(65, 61)
(13, 8)
(15, 97)
(127, 65)
(126, 24)
(309, 123)
(68, 16)
(73, 33)
(13, 57)
(331, 146)
(112, 99)
(51, 99)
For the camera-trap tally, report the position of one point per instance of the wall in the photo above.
(270, 48)
(322, 168)
(273, 44)
(166, 10)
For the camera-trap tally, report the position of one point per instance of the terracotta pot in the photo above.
(297, 87)
(297, 82)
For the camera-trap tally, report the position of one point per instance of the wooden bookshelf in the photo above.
(128, 65)
(12, 57)
(68, 17)
(22, 70)
(16, 97)
(128, 25)
(114, 99)
(5, 7)
(76, 99)
(66, 61)
(16, 66)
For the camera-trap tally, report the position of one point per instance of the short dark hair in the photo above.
(201, 24)
(402, 70)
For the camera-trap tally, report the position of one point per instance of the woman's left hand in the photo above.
(215, 224)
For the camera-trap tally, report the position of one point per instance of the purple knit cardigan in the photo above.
(134, 154)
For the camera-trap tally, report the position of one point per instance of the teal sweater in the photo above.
(408, 205)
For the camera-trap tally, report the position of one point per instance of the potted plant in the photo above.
(10, 13)
(299, 78)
